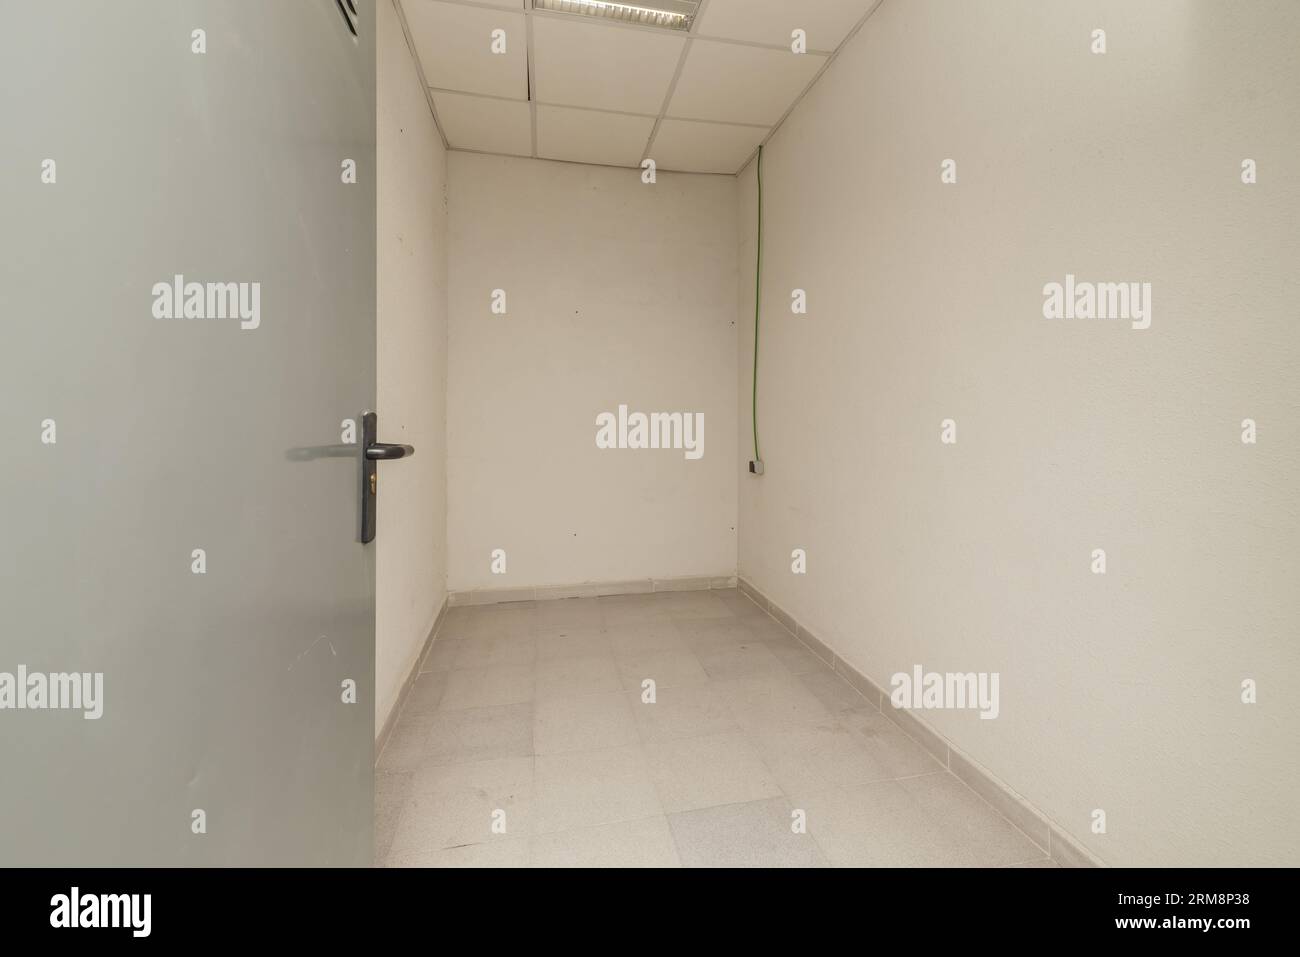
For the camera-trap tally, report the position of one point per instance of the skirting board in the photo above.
(638, 586)
(408, 682)
(1036, 825)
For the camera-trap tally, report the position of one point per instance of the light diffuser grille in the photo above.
(667, 14)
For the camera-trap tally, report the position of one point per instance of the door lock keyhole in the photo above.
(374, 452)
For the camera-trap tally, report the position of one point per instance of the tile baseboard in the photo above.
(381, 739)
(638, 586)
(1059, 846)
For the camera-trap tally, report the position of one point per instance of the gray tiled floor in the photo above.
(528, 740)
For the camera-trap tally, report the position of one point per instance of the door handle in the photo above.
(373, 452)
(382, 451)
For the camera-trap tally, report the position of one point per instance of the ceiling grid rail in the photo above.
(716, 107)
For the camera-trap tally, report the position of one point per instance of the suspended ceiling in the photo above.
(600, 90)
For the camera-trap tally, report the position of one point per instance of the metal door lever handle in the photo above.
(373, 452)
(386, 450)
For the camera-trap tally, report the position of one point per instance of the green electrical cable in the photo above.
(758, 266)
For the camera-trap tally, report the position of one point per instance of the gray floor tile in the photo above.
(893, 751)
(570, 677)
(794, 655)
(668, 668)
(979, 835)
(487, 621)
(739, 661)
(644, 843)
(928, 821)
(426, 693)
(706, 634)
(684, 711)
(821, 756)
(405, 746)
(875, 825)
(567, 613)
(560, 642)
(477, 734)
(692, 605)
(494, 650)
(583, 723)
(832, 690)
(772, 701)
(621, 610)
(487, 687)
(589, 788)
(768, 628)
(441, 655)
(642, 637)
(757, 834)
(507, 853)
(458, 804)
(456, 625)
(692, 773)
(391, 791)
(740, 605)
(536, 709)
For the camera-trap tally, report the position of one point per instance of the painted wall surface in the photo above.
(1121, 691)
(616, 292)
(411, 531)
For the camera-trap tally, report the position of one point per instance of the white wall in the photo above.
(616, 292)
(1118, 692)
(411, 535)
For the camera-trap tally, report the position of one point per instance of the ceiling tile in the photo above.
(602, 66)
(589, 136)
(454, 41)
(826, 22)
(741, 84)
(486, 124)
(695, 147)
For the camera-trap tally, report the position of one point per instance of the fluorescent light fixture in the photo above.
(668, 14)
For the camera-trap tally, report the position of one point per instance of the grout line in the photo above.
(913, 777)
